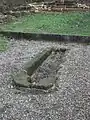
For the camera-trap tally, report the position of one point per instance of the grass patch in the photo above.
(3, 43)
(72, 23)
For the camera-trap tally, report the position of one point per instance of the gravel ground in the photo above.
(70, 102)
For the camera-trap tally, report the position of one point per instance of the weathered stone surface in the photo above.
(33, 64)
(21, 79)
(45, 74)
(46, 83)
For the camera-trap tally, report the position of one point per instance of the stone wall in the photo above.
(8, 4)
(16, 2)
(11, 3)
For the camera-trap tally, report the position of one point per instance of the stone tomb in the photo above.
(41, 71)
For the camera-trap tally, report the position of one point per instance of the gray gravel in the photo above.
(70, 102)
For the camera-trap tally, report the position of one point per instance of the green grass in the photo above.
(3, 43)
(72, 23)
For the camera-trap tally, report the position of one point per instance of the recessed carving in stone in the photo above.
(41, 71)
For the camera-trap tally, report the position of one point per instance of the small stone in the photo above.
(62, 49)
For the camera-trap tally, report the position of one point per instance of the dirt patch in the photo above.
(45, 77)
